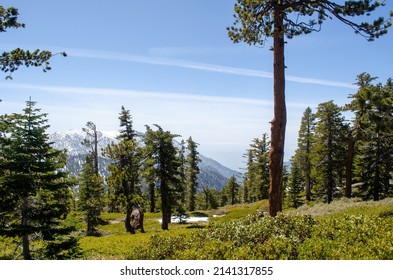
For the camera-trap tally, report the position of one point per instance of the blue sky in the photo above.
(171, 63)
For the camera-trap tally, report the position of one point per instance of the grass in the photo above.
(353, 205)
(344, 229)
(111, 245)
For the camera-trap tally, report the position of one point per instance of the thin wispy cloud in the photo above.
(133, 93)
(211, 120)
(116, 92)
(97, 54)
(168, 61)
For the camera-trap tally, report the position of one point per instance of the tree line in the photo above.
(149, 171)
(335, 157)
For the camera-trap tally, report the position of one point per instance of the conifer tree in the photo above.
(91, 199)
(373, 161)
(124, 178)
(256, 20)
(247, 178)
(358, 106)
(295, 185)
(329, 151)
(148, 167)
(182, 171)
(35, 190)
(149, 176)
(231, 192)
(164, 164)
(91, 142)
(303, 152)
(192, 171)
(210, 200)
(257, 175)
(91, 188)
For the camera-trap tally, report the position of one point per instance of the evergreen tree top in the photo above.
(256, 18)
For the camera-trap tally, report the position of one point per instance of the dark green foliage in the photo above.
(91, 195)
(231, 192)
(256, 178)
(35, 191)
(124, 178)
(91, 185)
(208, 199)
(11, 61)
(182, 172)
(256, 18)
(373, 108)
(294, 191)
(9, 18)
(303, 153)
(329, 151)
(192, 171)
(162, 169)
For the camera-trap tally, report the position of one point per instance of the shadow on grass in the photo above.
(386, 214)
(196, 226)
(198, 214)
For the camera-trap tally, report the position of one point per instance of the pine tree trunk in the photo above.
(25, 234)
(127, 221)
(191, 196)
(308, 186)
(165, 206)
(279, 121)
(152, 197)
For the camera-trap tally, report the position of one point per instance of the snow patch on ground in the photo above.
(188, 220)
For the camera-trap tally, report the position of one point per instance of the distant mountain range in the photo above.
(212, 173)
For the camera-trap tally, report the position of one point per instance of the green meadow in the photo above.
(344, 229)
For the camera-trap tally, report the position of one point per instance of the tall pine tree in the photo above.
(295, 185)
(329, 151)
(91, 188)
(303, 152)
(90, 197)
(34, 187)
(257, 176)
(256, 20)
(192, 171)
(163, 166)
(124, 178)
(231, 192)
(373, 161)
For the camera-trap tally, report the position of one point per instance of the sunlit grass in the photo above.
(366, 228)
(353, 205)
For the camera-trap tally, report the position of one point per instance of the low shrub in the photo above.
(349, 237)
(248, 238)
(355, 233)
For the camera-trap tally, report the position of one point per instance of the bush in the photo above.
(339, 236)
(249, 238)
(349, 237)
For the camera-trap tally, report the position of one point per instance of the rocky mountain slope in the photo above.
(212, 173)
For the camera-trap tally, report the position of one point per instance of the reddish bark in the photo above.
(279, 121)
